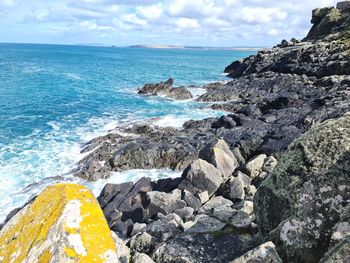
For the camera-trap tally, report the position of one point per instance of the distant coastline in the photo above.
(197, 47)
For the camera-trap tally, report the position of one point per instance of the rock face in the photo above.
(301, 202)
(63, 224)
(166, 89)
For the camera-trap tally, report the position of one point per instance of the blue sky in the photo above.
(219, 23)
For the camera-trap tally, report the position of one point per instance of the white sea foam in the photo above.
(73, 76)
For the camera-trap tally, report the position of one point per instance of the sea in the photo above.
(55, 98)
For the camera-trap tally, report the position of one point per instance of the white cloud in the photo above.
(200, 22)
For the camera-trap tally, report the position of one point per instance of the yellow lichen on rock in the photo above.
(64, 224)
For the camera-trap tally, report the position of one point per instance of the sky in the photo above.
(210, 23)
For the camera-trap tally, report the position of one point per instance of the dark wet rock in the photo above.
(203, 247)
(303, 199)
(262, 254)
(166, 89)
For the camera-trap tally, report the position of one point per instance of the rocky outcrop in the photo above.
(63, 224)
(165, 89)
(299, 205)
(263, 253)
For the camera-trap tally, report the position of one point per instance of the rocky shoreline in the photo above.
(268, 182)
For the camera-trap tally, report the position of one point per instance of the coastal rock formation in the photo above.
(63, 224)
(166, 89)
(299, 205)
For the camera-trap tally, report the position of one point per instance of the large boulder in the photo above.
(264, 253)
(219, 154)
(63, 224)
(201, 176)
(304, 198)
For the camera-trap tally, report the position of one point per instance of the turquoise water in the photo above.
(54, 98)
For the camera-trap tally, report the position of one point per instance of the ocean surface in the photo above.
(55, 98)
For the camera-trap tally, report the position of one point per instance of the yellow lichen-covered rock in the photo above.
(63, 224)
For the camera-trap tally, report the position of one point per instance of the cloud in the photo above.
(198, 22)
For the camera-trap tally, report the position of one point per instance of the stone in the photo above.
(303, 199)
(137, 228)
(191, 200)
(142, 258)
(206, 224)
(264, 253)
(344, 5)
(185, 213)
(254, 166)
(219, 154)
(63, 224)
(165, 227)
(123, 251)
(248, 208)
(214, 247)
(165, 203)
(338, 254)
(202, 175)
(143, 243)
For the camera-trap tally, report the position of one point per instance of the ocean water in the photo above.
(54, 98)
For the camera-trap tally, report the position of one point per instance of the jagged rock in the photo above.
(143, 243)
(219, 154)
(262, 254)
(185, 213)
(123, 251)
(142, 258)
(339, 254)
(198, 247)
(166, 89)
(248, 207)
(137, 228)
(191, 200)
(254, 166)
(64, 223)
(165, 227)
(164, 203)
(234, 188)
(206, 224)
(202, 176)
(298, 205)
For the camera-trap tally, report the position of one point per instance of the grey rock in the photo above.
(254, 166)
(203, 176)
(338, 254)
(219, 154)
(191, 200)
(199, 247)
(164, 203)
(123, 251)
(185, 213)
(142, 258)
(143, 243)
(206, 224)
(299, 204)
(262, 254)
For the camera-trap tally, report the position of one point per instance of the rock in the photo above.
(203, 176)
(206, 224)
(248, 208)
(137, 228)
(263, 253)
(299, 204)
(142, 258)
(123, 251)
(224, 122)
(344, 5)
(254, 166)
(165, 227)
(164, 203)
(185, 213)
(198, 247)
(191, 200)
(219, 154)
(64, 223)
(234, 188)
(143, 243)
(339, 254)
(166, 89)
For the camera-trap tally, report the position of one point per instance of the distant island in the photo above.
(159, 46)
